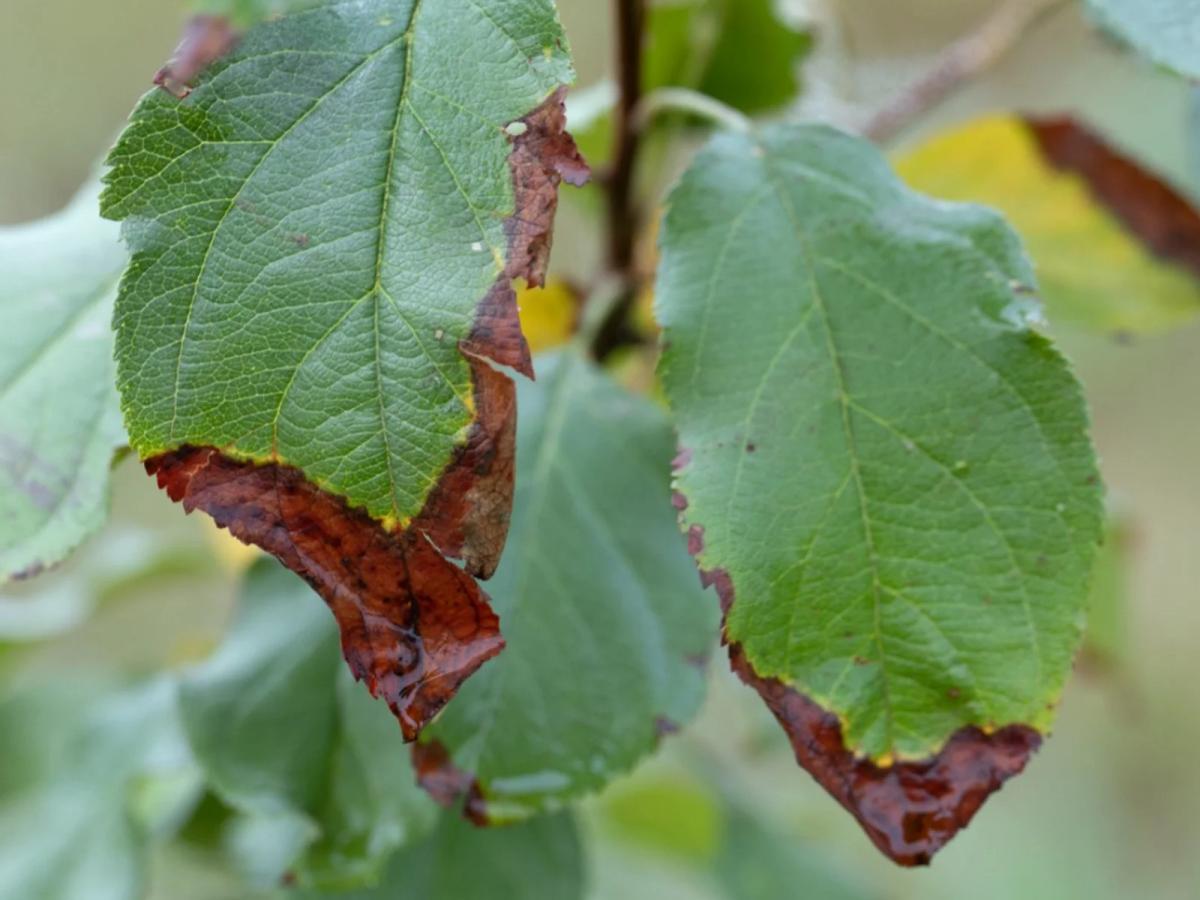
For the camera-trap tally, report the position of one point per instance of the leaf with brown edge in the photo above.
(325, 233)
(413, 625)
(885, 471)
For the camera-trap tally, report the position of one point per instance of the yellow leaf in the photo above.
(548, 315)
(1091, 270)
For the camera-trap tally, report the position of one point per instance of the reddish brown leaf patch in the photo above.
(205, 40)
(910, 810)
(414, 626)
(447, 784)
(1153, 211)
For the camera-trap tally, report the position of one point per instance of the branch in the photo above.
(961, 61)
(622, 210)
(624, 218)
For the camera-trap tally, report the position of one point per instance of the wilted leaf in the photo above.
(1162, 30)
(59, 422)
(283, 737)
(1116, 248)
(885, 471)
(325, 234)
(84, 832)
(606, 625)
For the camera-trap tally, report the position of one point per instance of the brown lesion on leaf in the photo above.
(205, 39)
(447, 784)
(413, 625)
(909, 809)
(1161, 217)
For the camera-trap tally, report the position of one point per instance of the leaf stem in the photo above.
(961, 61)
(678, 99)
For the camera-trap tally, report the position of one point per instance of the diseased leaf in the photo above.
(285, 739)
(325, 234)
(123, 778)
(59, 422)
(885, 471)
(542, 858)
(606, 625)
(1117, 249)
(1164, 31)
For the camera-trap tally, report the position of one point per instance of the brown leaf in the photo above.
(1153, 211)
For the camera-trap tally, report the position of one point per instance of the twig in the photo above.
(622, 210)
(964, 59)
(623, 214)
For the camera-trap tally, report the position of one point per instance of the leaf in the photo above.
(1117, 249)
(124, 779)
(738, 51)
(325, 234)
(541, 858)
(885, 471)
(606, 625)
(59, 423)
(1162, 30)
(286, 741)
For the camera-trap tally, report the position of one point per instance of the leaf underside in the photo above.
(1163, 31)
(605, 621)
(59, 421)
(884, 469)
(325, 233)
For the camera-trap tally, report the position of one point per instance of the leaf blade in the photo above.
(881, 458)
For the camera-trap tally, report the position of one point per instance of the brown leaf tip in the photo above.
(910, 810)
(447, 784)
(413, 625)
(1152, 210)
(205, 40)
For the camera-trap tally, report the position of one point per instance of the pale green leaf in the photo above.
(1165, 31)
(538, 859)
(124, 778)
(59, 422)
(888, 462)
(602, 612)
(285, 737)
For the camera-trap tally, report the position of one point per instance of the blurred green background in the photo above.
(1108, 808)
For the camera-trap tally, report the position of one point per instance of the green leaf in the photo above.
(1081, 223)
(541, 858)
(124, 779)
(59, 422)
(887, 469)
(738, 51)
(244, 13)
(1162, 30)
(314, 229)
(285, 736)
(605, 621)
